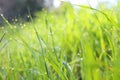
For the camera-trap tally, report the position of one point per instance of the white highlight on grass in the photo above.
(92, 3)
(56, 3)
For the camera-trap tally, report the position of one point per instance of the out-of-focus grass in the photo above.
(66, 44)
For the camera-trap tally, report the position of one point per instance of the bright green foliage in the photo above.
(66, 44)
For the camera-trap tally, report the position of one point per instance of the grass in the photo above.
(68, 44)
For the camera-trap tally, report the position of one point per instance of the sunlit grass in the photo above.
(62, 45)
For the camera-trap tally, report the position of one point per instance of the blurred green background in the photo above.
(64, 44)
